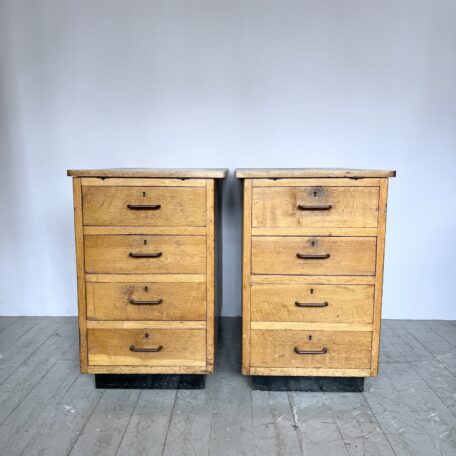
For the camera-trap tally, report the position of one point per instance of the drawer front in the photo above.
(317, 255)
(331, 207)
(130, 254)
(166, 347)
(144, 206)
(146, 301)
(312, 303)
(318, 349)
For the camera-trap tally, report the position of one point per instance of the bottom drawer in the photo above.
(318, 349)
(147, 347)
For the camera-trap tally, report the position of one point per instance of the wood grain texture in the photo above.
(345, 349)
(179, 254)
(348, 255)
(278, 207)
(306, 231)
(169, 230)
(111, 347)
(314, 279)
(140, 324)
(139, 278)
(379, 276)
(307, 326)
(316, 182)
(80, 259)
(179, 206)
(141, 182)
(243, 173)
(180, 173)
(343, 303)
(246, 273)
(179, 301)
(142, 369)
(308, 371)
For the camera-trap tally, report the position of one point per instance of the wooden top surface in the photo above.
(193, 173)
(265, 173)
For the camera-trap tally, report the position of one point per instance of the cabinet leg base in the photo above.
(149, 381)
(311, 384)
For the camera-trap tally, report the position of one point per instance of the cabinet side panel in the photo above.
(246, 271)
(210, 271)
(79, 237)
(379, 275)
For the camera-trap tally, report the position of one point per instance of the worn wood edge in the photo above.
(169, 231)
(94, 369)
(322, 280)
(270, 173)
(304, 326)
(327, 232)
(246, 274)
(378, 293)
(80, 270)
(138, 278)
(317, 182)
(140, 182)
(308, 372)
(210, 272)
(197, 173)
(139, 324)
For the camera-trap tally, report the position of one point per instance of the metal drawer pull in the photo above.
(303, 256)
(145, 255)
(321, 207)
(146, 350)
(311, 304)
(144, 207)
(310, 352)
(146, 303)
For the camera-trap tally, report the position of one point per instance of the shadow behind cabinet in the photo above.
(148, 268)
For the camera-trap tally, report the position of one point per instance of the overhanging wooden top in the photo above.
(190, 173)
(273, 173)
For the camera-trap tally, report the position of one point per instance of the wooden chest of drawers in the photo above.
(313, 248)
(148, 261)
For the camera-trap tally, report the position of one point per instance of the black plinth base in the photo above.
(311, 384)
(149, 381)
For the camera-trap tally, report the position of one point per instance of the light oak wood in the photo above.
(138, 278)
(316, 182)
(141, 182)
(310, 172)
(350, 349)
(141, 369)
(246, 274)
(111, 347)
(317, 279)
(169, 230)
(180, 173)
(178, 206)
(151, 324)
(129, 301)
(179, 254)
(292, 303)
(308, 372)
(278, 207)
(379, 277)
(79, 238)
(348, 255)
(314, 231)
(319, 326)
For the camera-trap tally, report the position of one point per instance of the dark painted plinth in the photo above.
(149, 381)
(311, 384)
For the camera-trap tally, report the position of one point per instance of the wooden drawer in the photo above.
(175, 347)
(325, 206)
(347, 255)
(312, 303)
(332, 349)
(144, 206)
(173, 254)
(146, 301)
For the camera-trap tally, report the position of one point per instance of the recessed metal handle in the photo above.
(146, 350)
(304, 256)
(311, 304)
(146, 303)
(317, 207)
(145, 255)
(144, 207)
(298, 351)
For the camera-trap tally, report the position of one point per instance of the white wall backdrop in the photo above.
(227, 83)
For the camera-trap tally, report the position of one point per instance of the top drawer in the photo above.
(312, 206)
(144, 206)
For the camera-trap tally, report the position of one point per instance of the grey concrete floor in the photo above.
(48, 408)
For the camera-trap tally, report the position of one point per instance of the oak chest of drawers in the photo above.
(313, 248)
(147, 250)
